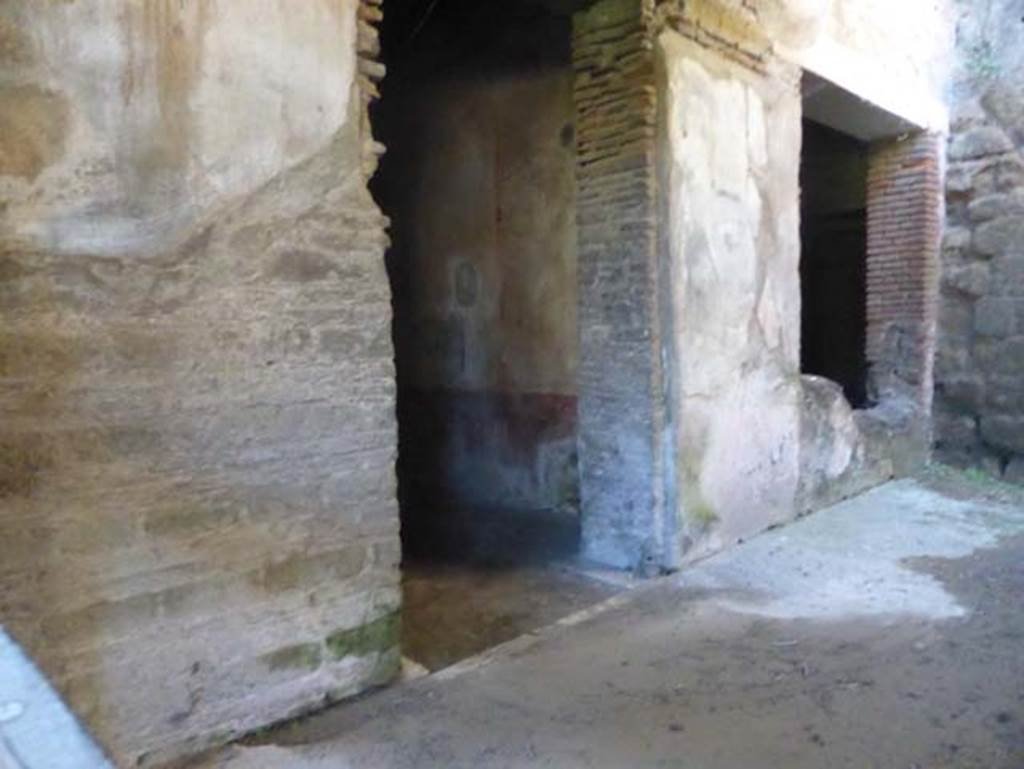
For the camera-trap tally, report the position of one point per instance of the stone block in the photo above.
(960, 179)
(1004, 432)
(995, 317)
(968, 279)
(955, 320)
(1004, 394)
(979, 142)
(1004, 101)
(985, 180)
(955, 432)
(1008, 275)
(952, 357)
(965, 392)
(956, 243)
(1008, 359)
(988, 207)
(1004, 235)
(1009, 173)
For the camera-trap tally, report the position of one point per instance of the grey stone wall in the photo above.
(198, 527)
(979, 408)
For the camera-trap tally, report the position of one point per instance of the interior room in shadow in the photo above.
(833, 261)
(479, 183)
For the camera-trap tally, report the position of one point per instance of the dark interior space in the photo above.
(833, 260)
(479, 184)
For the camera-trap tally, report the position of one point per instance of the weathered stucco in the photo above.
(703, 432)
(754, 443)
(198, 532)
(733, 223)
(892, 54)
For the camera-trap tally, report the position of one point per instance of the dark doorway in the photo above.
(833, 261)
(477, 116)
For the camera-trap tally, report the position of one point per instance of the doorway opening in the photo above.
(477, 116)
(833, 259)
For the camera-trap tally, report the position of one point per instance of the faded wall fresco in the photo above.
(480, 187)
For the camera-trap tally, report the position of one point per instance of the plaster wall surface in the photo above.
(755, 443)
(733, 248)
(198, 527)
(485, 241)
(980, 365)
(892, 54)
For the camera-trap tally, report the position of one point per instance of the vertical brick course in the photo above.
(620, 365)
(904, 232)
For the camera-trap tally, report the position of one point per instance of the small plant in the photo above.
(980, 57)
(982, 63)
(703, 515)
(977, 475)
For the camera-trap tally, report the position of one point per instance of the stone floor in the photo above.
(478, 578)
(452, 611)
(887, 631)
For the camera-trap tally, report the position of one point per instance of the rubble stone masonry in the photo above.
(979, 415)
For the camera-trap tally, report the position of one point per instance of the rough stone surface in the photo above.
(196, 378)
(836, 460)
(982, 335)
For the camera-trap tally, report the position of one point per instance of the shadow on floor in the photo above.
(487, 577)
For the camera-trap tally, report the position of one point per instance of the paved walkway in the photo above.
(887, 631)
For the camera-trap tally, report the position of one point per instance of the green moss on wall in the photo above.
(378, 636)
(301, 657)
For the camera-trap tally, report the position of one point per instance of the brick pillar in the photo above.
(904, 232)
(621, 381)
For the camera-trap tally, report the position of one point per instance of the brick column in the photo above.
(904, 232)
(621, 382)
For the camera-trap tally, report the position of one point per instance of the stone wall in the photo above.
(979, 395)
(198, 528)
(697, 429)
